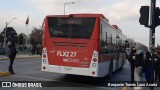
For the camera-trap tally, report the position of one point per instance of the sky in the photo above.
(124, 13)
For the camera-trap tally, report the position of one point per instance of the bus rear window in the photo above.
(81, 28)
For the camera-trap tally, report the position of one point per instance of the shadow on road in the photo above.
(93, 81)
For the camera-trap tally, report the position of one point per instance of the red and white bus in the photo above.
(82, 44)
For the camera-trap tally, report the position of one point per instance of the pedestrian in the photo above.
(33, 50)
(131, 59)
(12, 55)
(155, 61)
(139, 61)
(37, 50)
(157, 66)
(148, 67)
(40, 50)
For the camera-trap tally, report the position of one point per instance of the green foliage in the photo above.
(11, 35)
(36, 36)
(20, 39)
(1, 37)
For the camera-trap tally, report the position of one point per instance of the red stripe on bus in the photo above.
(106, 57)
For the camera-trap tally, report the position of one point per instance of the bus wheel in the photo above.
(110, 70)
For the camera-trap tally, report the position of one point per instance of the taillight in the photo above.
(44, 51)
(44, 60)
(44, 67)
(94, 65)
(93, 73)
(44, 55)
(95, 60)
(95, 55)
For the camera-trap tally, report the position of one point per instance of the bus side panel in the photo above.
(104, 63)
(46, 29)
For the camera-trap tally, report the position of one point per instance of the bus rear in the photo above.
(70, 44)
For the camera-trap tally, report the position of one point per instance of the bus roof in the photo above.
(81, 15)
(117, 28)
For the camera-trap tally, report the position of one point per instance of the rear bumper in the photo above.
(70, 70)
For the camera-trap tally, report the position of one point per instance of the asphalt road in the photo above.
(30, 70)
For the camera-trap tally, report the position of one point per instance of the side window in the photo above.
(119, 45)
(101, 32)
(106, 43)
(106, 39)
(111, 39)
(111, 46)
(101, 41)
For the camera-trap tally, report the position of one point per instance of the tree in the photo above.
(20, 39)
(10, 31)
(141, 46)
(131, 42)
(1, 40)
(36, 36)
(11, 35)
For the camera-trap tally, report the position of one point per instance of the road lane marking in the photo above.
(4, 74)
(44, 79)
(33, 78)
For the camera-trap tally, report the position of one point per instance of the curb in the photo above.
(125, 88)
(2, 74)
(20, 58)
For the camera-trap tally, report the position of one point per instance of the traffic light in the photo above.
(144, 18)
(157, 14)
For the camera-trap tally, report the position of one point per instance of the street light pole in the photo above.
(66, 4)
(5, 38)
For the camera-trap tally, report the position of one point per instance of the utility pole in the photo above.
(154, 22)
(152, 25)
(152, 35)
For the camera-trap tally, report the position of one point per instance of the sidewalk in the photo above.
(126, 73)
(20, 56)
